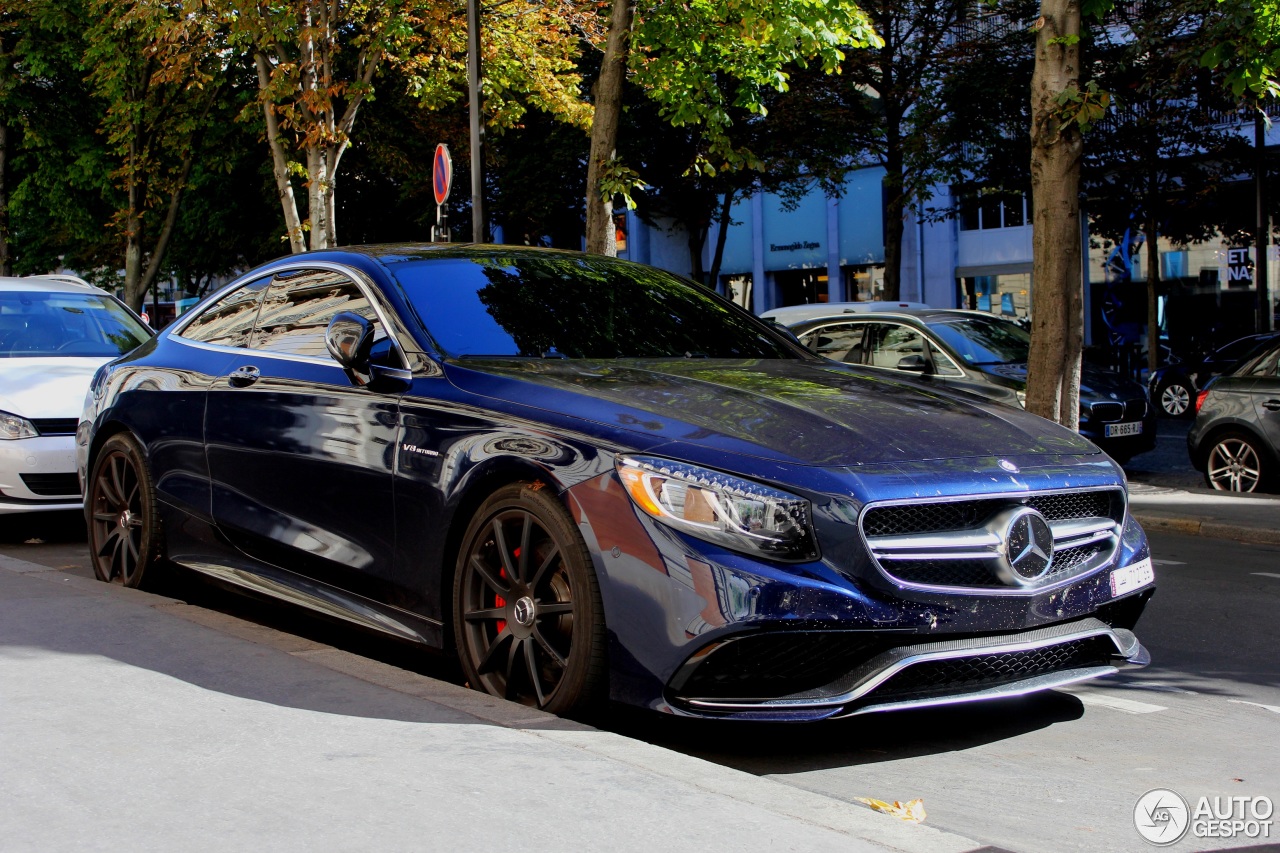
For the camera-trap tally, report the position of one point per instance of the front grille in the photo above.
(978, 573)
(779, 664)
(946, 544)
(1135, 410)
(967, 674)
(1107, 411)
(1068, 505)
(52, 484)
(905, 519)
(55, 426)
(946, 572)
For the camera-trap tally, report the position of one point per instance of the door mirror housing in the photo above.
(914, 363)
(349, 338)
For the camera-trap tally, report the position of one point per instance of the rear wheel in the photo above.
(1235, 464)
(1175, 399)
(528, 620)
(120, 511)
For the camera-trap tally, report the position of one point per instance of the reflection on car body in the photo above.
(595, 480)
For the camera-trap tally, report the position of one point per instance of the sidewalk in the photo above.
(1245, 518)
(132, 721)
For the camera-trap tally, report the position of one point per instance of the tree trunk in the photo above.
(726, 208)
(134, 295)
(697, 241)
(894, 208)
(279, 161)
(601, 239)
(1153, 281)
(317, 197)
(1057, 322)
(6, 260)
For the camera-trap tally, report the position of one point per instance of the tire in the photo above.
(120, 512)
(1236, 463)
(527, 617)
(1174, 399)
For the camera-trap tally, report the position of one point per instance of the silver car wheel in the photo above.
(1175, 400)
(1234, 466)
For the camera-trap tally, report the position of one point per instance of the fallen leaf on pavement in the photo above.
(911, 811)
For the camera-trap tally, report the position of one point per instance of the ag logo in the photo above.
(1162, 817)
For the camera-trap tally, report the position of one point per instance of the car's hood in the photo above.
(46, 387)
(790, 411)
(1095, 383)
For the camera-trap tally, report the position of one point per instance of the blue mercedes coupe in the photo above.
(594, 480)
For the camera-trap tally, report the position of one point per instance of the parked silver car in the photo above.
(1235, 440)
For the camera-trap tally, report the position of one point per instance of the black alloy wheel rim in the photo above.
(117, 517)
(517, 608)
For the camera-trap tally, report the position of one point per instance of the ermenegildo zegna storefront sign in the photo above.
(794, 247)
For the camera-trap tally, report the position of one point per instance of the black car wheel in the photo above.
(1175, 399)
(1234, 464)
(528, 620)
(120, 511)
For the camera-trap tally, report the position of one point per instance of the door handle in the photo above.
(242, 377)
(1272, 405)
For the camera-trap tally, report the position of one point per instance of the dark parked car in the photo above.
(1235, 440)
(976, 352)
(1174, 386)
(593, 479)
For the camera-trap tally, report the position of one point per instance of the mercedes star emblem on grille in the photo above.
(1026, 545)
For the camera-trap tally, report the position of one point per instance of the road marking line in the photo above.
(1163, 688)
(1168, 562)
(1116, 703)
(1265, 574)
(1272, 708)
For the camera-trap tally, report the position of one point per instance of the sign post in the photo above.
(441, 182)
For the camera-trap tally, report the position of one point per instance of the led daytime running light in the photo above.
(738, 514)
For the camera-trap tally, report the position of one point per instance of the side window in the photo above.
(889, 343)
(1265, 366)
(229, 321)
(942, 363)
(842, 342)
(297, 309)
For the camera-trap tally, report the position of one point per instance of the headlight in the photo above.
(12, 426)
(1022, 398)
(738, 514)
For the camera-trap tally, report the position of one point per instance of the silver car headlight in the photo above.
(13, 427)
(729, 511)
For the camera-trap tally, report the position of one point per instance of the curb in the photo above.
(1214, 529)
(859, 823)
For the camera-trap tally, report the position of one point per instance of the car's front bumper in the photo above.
(38, 474)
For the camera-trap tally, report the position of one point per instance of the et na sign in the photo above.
(1239, 268)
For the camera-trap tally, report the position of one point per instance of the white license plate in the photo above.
(1113, 430)
(1132, 577)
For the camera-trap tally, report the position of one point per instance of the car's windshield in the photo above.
(559, 306)
(51, 323)
(982, 340)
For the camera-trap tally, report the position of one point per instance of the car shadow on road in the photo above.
(768, 748)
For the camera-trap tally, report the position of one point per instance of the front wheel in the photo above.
(1235, 464)
(1175, 399)
(527, 615)
(120, 511)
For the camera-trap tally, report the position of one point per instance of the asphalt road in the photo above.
(1059, 771)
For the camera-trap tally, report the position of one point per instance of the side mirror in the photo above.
(913, 363)
(348, 339)
(387, 373)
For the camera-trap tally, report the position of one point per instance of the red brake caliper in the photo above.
(499, 601)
